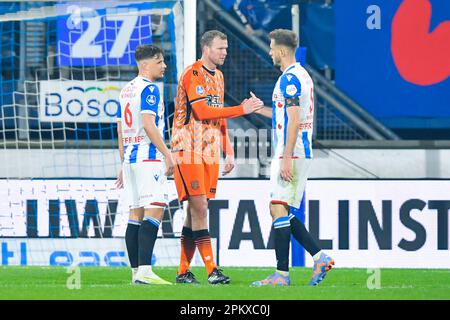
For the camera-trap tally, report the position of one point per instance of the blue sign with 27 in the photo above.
(89, 37)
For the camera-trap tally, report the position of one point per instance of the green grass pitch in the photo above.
(114, 283)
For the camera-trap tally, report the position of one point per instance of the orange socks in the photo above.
(187, 250)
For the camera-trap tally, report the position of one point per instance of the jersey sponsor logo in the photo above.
(307, 125)
(151, 99)
(200, 90)
(291, 89)
(133, 140)
(213, 101)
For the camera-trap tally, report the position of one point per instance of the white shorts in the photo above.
(289, 193)
(145, 184)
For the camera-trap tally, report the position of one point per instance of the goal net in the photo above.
(63, 66)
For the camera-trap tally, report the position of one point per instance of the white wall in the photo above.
(334, 163)
(379, 223)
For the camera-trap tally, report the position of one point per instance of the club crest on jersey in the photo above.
(200, 90)
(291, 90)
(151, 99)
(195, 184)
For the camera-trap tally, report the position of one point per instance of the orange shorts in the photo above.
(195, 178)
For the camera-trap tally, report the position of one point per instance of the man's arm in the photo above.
(265, 112)
(120, 141)
(293, 126)
(291, 88)
(148, 122)
(119, 180)
(225, 141)
(204, 112)
(198, 97)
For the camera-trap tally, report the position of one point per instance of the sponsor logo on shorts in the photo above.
(195, 184)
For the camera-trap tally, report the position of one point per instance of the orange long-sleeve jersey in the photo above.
(199, 122)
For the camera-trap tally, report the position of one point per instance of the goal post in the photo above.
(63, 66)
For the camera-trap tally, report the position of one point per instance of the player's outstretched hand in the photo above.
(170, 165)
(260, 111)
(251, 105)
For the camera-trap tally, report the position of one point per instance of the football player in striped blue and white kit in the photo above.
(292, 115)
(147, 162)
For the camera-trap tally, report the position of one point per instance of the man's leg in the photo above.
(322, 262)
(199, 212)
(131, 238)
(279, 206)
(302, 235)
(135, 218)
(148, 233)
(188, 178)
(282, 233)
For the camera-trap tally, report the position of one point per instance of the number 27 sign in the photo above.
(89, 37)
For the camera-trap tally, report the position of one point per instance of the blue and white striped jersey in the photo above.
(293, 83)
(140, 96)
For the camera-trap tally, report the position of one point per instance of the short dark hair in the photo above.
(209, 36)
(147, 51)
(284, 37)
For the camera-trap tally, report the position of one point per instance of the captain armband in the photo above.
(292, 102)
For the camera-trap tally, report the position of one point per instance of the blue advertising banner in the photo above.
(393, 58)
(107, 36)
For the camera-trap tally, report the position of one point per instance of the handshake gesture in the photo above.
(252, 104)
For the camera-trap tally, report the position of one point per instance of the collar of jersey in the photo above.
(145, 79)
(290, 67)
